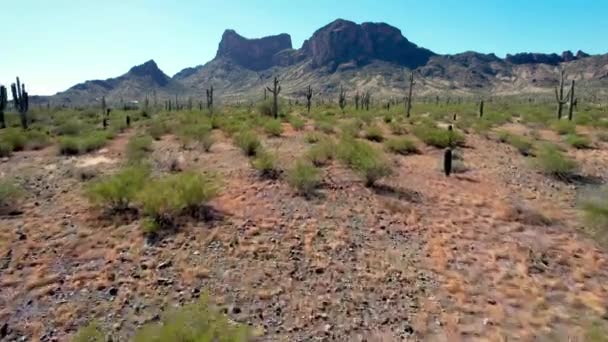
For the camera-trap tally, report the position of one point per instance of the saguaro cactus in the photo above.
(308, 98)
(481, 109)
(21, 100)
(104, 106)
(210, 99)
(3, 103)
(559, 94)
(573, 101)
(408, 102)
(357, 99)
(276, 89)
(447, 161)
(342, 99)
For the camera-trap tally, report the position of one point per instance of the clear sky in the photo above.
(54, 44)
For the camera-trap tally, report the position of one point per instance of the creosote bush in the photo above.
(304, 177)
(117, 192)
(552, 162)
(265, 163)
(578, 141)
(403, 146)
(522, 144)
(374, 133)
(72, 145)
(437, 137)
(369, 162)
(164, 199)
(10, 196)
(563, 127)
(312, 137)
(138, 148)
(297, 123)
(248, 142)
(273, 128)
(322, 153)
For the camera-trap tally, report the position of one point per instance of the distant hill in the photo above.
(359, 57)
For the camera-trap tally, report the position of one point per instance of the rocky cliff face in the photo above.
(343, 41)
(254, 54)
(543, 58)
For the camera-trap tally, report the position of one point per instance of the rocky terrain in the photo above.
(360, 57)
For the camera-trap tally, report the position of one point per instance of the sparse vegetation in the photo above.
(266, 164)
(10, 196)
(564, 127)
(374, 133)
(273, 128)
(552, 162)
(118, 192)
(522, 144)
(138, 148)
(322, 153)
(364, 159)
(438, 137)
(595, 208)
(248, 142)
(578, 141)
(403, 146)
(304, 177)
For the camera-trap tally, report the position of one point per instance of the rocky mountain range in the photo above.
(359, 57)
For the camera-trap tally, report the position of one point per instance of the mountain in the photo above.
(359, 57)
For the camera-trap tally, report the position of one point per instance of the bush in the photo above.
(602, 136)
(563, 127)
(15, 137)
(374, 133)
(522, 144)
(164, 199)
(36, 140)
(191, 132)
(157, 129)
(118, 192)
(402, 146)
(297, 123)
(324, 126)
(351, 129)
(578, 141)
(266, 164)
(207, 141)
(248, 142)
(265, 108)
(70, 127)
(93, 141)
(138, 148)
(10, 195)
(69, 145)
(438, 137)
(552, 162)
(312, 137)
(595, 208)
(273, 128)
(304, 177)
(364, 159)
(398, 128)
(194, 322)
(322, 153)
(5, 149)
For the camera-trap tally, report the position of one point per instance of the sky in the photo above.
(54, 44)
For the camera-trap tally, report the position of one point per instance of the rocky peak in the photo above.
(344, 41)
(254, 54)
(568, 56)
(580, 54)
(150, 69)
(534, 58)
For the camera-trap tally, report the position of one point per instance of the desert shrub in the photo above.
(602, 136)
(207, 142)
(402, 146)
(397, 128)
(157, 129)
(595, 208)
(438, 137)
(324, 126)
(552, 162)
(351, 128)
(93, 141)
(15, 137)
(522, 144)
(194, 322)
(138, 148)
(578, 141)
(563, 127)
(248, 142)
(162, 200)
(5, 149)
(273, 128)
(322, 153)
(364, 159)
(266, 164)
(92, 332)
(36, 140)
(117, 192)
(193, 132)
(69, 145)
(304, 177)
(312, 137)
(10, 196)
(297, 123)
(70, 127)
(374, 133)
(265, 108)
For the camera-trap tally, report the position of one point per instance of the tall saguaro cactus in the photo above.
(276, 89)
(559, 94)
(573, 101)
(210, 99)
(3, 103)
(481, 109)
(21, 100)
(308, 98)
(408, 102)
(342, 99)
(357, 99)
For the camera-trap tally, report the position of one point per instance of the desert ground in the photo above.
(499, 250)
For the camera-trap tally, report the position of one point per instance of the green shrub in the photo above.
(438, 137)
(248, 142)
(364, 159)
(273, 128)
(595, 208)
(374, 133)
(69, 145)
(552, 162)
(194, 322)
(578, 141)
(207, 142)
(10, 196)
(522, 144)
(402, 146)
(326, 127)
(118, 192)
(15, 137)
(138, 148)
(312, 137)
(157, 129)
(266, 164)
(37, 140)
(71, 127)
(563, 127)
(351, 128)
(5, 149)
(265, 108)
(190, 132)
(162, 200)
(398, 128)
(304, 177)
(322, 153)
(297, 123)
(93, 141)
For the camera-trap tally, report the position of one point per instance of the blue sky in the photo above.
(55, 44)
